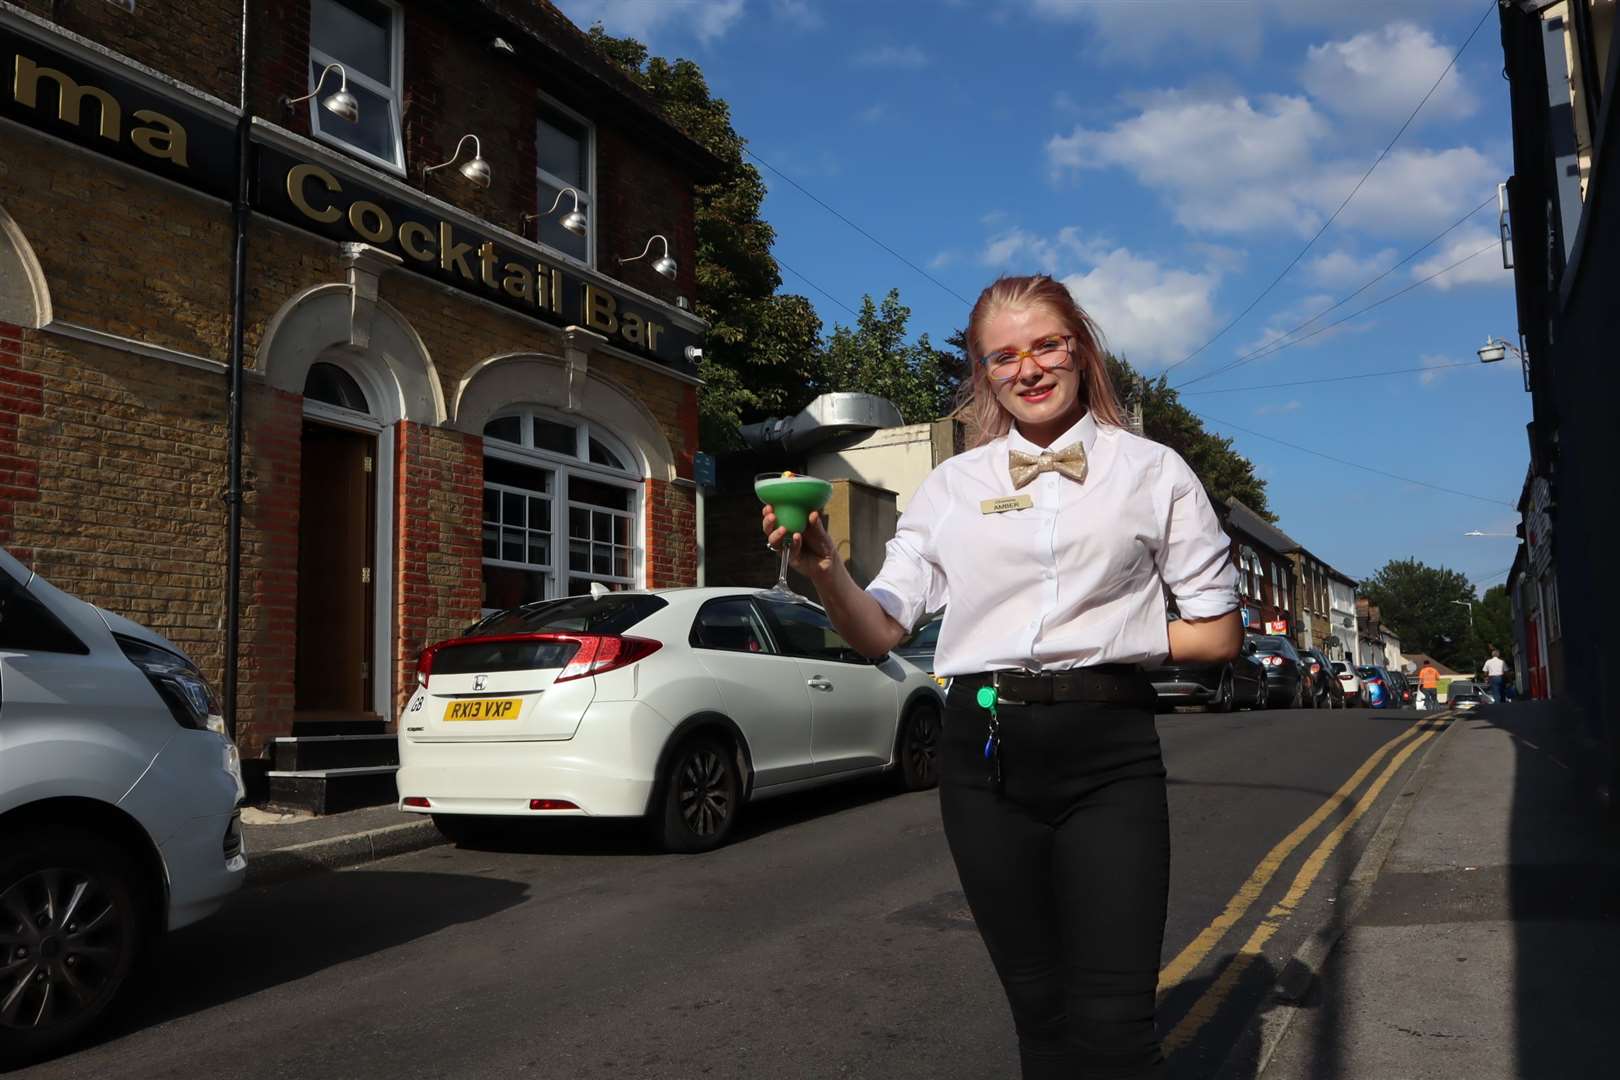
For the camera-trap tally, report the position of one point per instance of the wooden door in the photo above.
(335, 567)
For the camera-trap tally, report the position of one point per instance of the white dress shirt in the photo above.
(1074, 580)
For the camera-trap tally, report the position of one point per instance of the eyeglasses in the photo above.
(1049, 353)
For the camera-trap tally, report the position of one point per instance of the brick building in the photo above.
(1266, 581)
(450, 399)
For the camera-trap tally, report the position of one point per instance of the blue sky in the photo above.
(1166, 159)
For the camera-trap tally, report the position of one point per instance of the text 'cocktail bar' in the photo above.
(323, 334)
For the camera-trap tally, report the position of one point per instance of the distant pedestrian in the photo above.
(1495, 670)
(1429, 680)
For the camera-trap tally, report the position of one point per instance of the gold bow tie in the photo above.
(1070, 461)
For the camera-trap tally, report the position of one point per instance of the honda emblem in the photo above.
(480, 681)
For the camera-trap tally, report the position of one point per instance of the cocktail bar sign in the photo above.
(92, 105)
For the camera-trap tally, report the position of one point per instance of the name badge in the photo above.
(1009, 502)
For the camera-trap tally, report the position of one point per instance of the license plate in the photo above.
(483, 709)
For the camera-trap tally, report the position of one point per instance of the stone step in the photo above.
(330, 791)
(338, 724)
(298, 752)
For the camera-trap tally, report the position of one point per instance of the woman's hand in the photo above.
(813, 552)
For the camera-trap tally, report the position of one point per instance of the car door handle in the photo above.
(818, 683)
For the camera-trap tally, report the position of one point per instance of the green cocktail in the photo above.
(791, 498)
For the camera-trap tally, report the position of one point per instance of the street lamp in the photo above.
(1470, 608)
(1476, 532)
(1496, 348)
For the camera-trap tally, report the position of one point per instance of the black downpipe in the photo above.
(233, 491)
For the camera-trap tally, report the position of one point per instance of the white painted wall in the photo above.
(896, 459)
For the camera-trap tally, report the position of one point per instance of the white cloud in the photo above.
(874, 113)
(798, 12)
(1148, 312)
(1379, 76)
(1135, 32)
(893, 57)
(706, 20)
(1430, 360)
(946, 258)
(1483, 269)
(1275, 408)
(1343, 268)
(1233, 165)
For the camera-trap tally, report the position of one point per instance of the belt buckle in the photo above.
(1001, 688)
(1001, 698)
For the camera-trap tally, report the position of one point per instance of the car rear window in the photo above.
(1367, 672)
(481, 657)
(1271, 645)
(611, 614)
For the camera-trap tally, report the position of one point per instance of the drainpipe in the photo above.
(233, 491)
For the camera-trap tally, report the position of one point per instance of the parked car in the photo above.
(1350, 682)
(1326, 693)
(672, 705)
(1466, 695)
(1378, 687)
(119, 802)
(1285, 674)
(1405, 688)
(919, 647)
(1238, 683)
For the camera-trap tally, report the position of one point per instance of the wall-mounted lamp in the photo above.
(341, 104)
(501, 45)
(664, 264)
(475, 168)
(573, 221)
(693, 354)
(1493, 350)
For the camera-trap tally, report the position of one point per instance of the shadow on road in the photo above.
(281, 933)
(1223, 1045)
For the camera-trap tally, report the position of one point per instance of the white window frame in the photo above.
(395, 93)
(587, 197)
(564, 470)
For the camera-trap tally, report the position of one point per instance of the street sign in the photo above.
(703, 469)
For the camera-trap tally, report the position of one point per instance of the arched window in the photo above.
(334, 386)
(1251, 572)
(561, 506)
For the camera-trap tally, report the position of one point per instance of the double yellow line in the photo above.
(1186, 961)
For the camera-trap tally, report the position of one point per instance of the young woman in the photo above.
(1051, 546)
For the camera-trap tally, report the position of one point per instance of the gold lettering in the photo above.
(519, 281)
(452, 252)
(69, 96)
(554, 301)
(295, 191)
(417, 240)
(630, 327)
(653, 330)
(600, 308)
(384, 229)
(486, 262)
(173, 146)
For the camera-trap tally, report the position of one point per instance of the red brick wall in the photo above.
(194, 41)
(671, 534)
(21, 394)
(438, 526)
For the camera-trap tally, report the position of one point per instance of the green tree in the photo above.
(1428, 606)
(761, 344)
(873, 357)
(1493, 627)
(1224, 472)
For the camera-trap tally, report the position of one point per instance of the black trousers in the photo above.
(1067, 872)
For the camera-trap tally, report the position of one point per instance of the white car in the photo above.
(1350, 681)
(118, 808)
(672, 705)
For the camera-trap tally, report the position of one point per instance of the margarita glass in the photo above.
(791, 498)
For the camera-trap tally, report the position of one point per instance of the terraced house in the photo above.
(324, 331)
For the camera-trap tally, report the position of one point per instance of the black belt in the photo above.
(1105, 684)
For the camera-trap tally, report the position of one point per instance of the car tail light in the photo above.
(1271, 661)
(1315, 668)
(551, 804)
(601, 653)
(419, 801)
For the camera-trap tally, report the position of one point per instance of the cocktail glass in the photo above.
(792, 498)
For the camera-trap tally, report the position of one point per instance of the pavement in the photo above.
(285, 846)
(1481, 941)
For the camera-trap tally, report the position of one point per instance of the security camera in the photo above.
(693, 354)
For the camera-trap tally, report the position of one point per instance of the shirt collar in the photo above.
(1083, 432)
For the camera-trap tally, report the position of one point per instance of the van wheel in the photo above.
(917, 751)
(700, 794)
(71, 933)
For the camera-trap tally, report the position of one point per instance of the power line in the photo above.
(1337, 378)
(1276, 347)
(1351, 464)
(1491, 7)
(816, 287)
(811, 195)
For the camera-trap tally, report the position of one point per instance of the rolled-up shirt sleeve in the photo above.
(1195, 559)
(911, 583)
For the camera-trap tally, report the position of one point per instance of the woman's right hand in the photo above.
(813, 552)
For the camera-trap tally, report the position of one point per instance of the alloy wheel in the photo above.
(703, 792)
(62, 937)
(922, 745)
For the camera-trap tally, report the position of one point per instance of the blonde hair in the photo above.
(985, 417)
